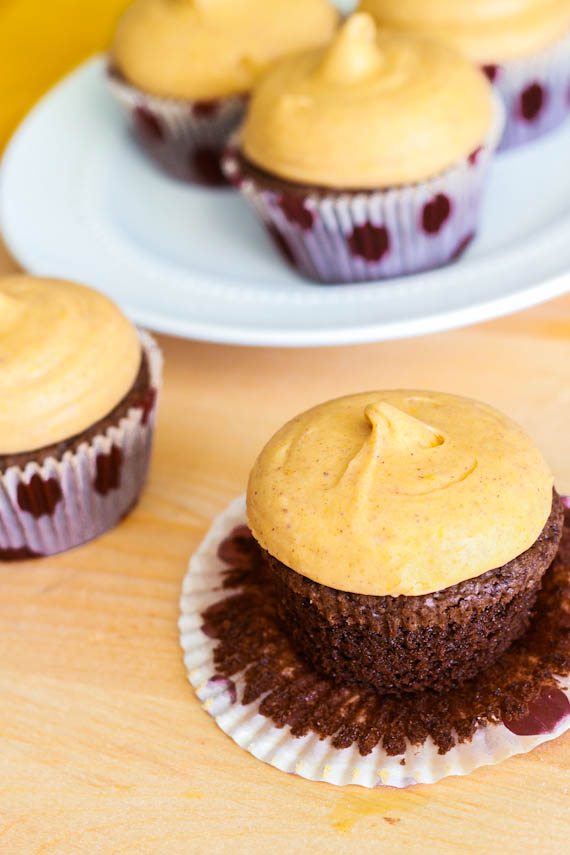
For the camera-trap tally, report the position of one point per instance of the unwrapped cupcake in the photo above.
(78, 387)
(523, 46)
(407, 535)
(182, 69)
(368, 158)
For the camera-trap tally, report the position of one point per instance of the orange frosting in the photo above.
(67, 355)
(398, 492)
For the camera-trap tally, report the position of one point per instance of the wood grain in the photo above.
(103, 746)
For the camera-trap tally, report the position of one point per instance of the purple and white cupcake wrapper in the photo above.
(186, 138)
(535, 91)
(52, 507)
(309, 756)
(357, 236)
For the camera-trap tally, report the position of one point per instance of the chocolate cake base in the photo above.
(64, 494)
(520, 690)
(404, 644)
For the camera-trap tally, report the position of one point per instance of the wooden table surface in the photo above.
(103, 745)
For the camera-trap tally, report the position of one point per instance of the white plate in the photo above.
(79, 200)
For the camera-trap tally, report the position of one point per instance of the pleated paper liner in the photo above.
(335, 236)
(54, 505)
(535, 92)
(185, 138)
(271, 704)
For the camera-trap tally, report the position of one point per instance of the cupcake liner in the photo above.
(53, 506)
(358, 236)
(314, 758)
(535, 92)
(186, 138)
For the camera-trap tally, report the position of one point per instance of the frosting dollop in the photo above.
(67, 357)
(398, 492)
(370, 110)
(487, 31)
(205, 49)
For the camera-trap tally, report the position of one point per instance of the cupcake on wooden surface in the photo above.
(406, 533)
(183, 69)
(79, 386)
(367, 158)
(523, 47)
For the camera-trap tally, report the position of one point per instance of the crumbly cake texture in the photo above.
(268, 698)
(433, 641)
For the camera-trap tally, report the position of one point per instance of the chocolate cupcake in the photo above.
(182, 70)
(367, 159)
(79, 385)
(406, 534)
(523, 46)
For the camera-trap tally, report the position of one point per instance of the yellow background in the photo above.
(40, 40)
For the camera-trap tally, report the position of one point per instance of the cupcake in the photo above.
(367, 159)
(182, 69)
(79, 385)
(523, 46)
(406, 534)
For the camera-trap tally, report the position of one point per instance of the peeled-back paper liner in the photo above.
(48, 508)
(534, 91)
(185, 137)
(357, 236)
(309, 756)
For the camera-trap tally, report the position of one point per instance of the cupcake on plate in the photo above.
(367, 159)
(182, 69)
(406, 533)
(79, 385)
(523, 47)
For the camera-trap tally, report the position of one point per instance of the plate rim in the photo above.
(552, 286)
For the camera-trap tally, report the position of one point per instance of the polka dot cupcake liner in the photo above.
(535, 92)
(335, 237)
(315, 758)
(61, 503)
(185, 138)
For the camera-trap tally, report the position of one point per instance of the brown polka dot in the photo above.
(148, 124)
(108, 471)
(205, 109)
(22, 553)
(491, 72)
(544, 713)
(206, 167)
(474, 156)
(435, 214)
(532, 102)
(40, 497)
(295, 210)
(147, 404)
(369, 242)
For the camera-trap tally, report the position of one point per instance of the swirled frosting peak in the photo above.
(371, 110)
(489, 31)
(398, 492)
(204, 49)
(354, 55)
(67, 357)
